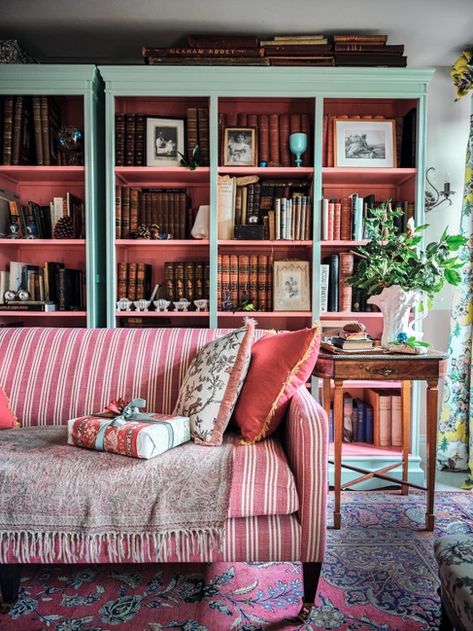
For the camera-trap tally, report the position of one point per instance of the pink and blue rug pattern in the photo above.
(379, 574)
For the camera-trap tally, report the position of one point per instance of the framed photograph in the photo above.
(164, 141)
(240, 147)
(291, 286)
(364, 143)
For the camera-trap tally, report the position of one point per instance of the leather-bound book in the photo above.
(50, 124)
(262, 282)
(179, 277)
(263, 137)
(253, 120)
(285, 156)
(225, 276)
(305, 128)
(180, 202)
(129, 140)
(238, 200)
(222, 41)
(332, 262)
(231, 119)
(131, 281)
(134, 205)
(337, 220)
(163, 212)
(250, 203)
(154, 210)
(330, 136)
(173, 212)
(253, 288)
(242, 119)
(269, 287)
(140, 130)
(169, 269)
(203, 120)
(118, 211)
(346, 219)
(243, 278)
(219, 282)
(256, 201)
(7, 129)
(122, 274)
(38, 141)
(192, 131)
(274, 140)
(378, 39)
(367, 59)
(119, 139)
(199, 280)
(189, 280)
(324, 140)
(346, 262)
(234, 280)
(126, 200)
(144, 199)
(140, 280)
(17, 129)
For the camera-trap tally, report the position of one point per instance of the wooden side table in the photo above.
(384, 367)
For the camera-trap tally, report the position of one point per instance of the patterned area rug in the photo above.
(379, 574)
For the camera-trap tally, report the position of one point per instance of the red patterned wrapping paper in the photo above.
(131, 438)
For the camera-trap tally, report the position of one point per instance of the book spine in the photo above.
(263, 138)
(7, 132)
(134, 205)
(361, 429)
(199, 282)
(131, 281)
(203, 122)
(129, 140)
(368, 417)
(324, 281)
(337, 220)
(203, 51)
(17, 130)
(396, 420)
(140, 129)
(222, 41)
(262, 282)
(243, 278)
(189, 281)
(119, 140)
(192, 131)
(126, 194)
(234, 280)
(169, 281)
(331, 220)
(330, 140)
(140, 281)
(285, 156)
(225, 278)
(346, 261)
(44, 110)
(384, 420)
(360, 39)
(122, 280)
(274, 157)
(118, 211)
(219, 282)
(179, 280)
(253, 283)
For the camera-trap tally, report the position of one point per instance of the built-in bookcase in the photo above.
(76, 92)
(255, 98)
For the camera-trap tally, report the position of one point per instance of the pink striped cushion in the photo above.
(262, 482)
(51, 374)
(273, 538)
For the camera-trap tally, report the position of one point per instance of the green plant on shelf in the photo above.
(194, 161)
(411, 341)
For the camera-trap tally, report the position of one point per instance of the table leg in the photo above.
(431, 449)
(338, 439)
(406, 433)
(326, 396)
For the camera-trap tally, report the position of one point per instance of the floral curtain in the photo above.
(455, 443)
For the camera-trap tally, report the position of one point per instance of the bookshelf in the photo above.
(77, 91)
(318, 94)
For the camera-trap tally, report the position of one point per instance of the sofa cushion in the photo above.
(213, 382)
(263, 483)
(280, 364)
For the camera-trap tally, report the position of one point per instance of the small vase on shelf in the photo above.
(297, 145)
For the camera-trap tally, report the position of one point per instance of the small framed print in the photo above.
(240, 147)
(164, 141)
(364, 143)
(291, 286)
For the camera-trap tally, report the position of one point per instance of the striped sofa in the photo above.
(278, 494)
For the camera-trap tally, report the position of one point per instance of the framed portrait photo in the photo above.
(364, 143)
(291, 286)
(240, 147)
(164, 141)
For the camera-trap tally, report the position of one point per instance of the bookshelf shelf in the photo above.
(43, 174)
(341, 244)
(367, 384)
(34, 243)
(264, 243)
(162, 243)
(265, 314)
(162, 176)
(44, 314)
(163, 314)
(352, 315)
(349, 176)
(359, 451)
(293, 172)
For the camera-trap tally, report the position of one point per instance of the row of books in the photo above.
(335, 293)
(244, 279)
(273, 131)
(131, 136)
(167, 208)
(62, 218)
(182, 279)
(282, 208)
(344, 218)
(29, 130)
(51, 283)
(376, 419)
(405, 128)
(285, 50)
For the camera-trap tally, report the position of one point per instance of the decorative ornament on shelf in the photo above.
(461, 74)
(432, 200)
(398, 275)
(70, 144)
(64, 229)
(298, 145)
(194, 161)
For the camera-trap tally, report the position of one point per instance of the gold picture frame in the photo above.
(240, 147)
(364, 142)
(291, 285)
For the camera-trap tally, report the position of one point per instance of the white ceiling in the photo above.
(101, 31)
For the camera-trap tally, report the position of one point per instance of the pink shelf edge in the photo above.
(264, 242)
(361, 383)
(36, 242)
(45, 314)
(333, 315)
(266, 314)
(367, 450)
(161, 242)
(161, 314)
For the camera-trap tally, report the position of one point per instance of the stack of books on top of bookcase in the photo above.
(298, 50)
(367, 50)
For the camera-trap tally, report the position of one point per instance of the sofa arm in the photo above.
(306, 445)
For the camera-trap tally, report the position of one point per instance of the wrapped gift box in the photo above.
(138, 439)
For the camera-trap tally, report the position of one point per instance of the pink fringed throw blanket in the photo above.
(60, 503)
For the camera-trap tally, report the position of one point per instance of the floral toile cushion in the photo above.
(213, 382)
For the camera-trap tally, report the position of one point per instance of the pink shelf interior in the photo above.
(165, 244)
(366, 450)
(356, 176)
(166, 107)
(33, 243)
(162, 176)
(43, 175)
(44, 314)
(268, 171)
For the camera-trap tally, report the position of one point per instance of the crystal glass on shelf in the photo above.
(69, 140)
(297, 145)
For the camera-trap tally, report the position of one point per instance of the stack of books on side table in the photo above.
(351, 339)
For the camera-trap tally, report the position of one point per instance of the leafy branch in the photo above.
(194, 161)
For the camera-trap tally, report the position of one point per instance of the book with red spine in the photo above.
(346, 263)
(202, 51)
(223, 41)
(203, 123)
(262, 282)
(119, 140)
(225, 277)
(337, 219)
(285, 156)
(274, 159)
(253, 283)
(346, 219)
(219, 282)
(243, 278)
(263, 138)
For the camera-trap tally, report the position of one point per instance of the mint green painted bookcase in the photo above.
(78, 90)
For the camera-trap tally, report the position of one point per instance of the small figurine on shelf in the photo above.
(161, 304)
(14, 231)
(142, 305)
(181, 305)
(124, 304)
(69, 140)
(227, 304)
(202, 304)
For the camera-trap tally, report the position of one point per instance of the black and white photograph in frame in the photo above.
(239, 147)
(291, 286)
(164, 141)
(364, 143)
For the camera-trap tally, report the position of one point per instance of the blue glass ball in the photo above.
(402, 337)
(263, 163)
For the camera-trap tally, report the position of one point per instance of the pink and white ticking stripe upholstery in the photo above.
(277, 512)
(272, 538)
(307, 448)
(262, 482)
(52, 375)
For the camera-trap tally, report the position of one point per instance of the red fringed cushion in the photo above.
(7, 417)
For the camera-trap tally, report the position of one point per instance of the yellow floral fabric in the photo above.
(461, 74)
(455, 439)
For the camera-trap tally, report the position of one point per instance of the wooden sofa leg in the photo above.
(10, 574)
(311, 575)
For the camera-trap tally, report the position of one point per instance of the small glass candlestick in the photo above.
(161, 304)
(297, 145)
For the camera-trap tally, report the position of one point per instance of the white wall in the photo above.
(447, 134)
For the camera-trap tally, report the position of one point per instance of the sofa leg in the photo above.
(311, 575)
(10, 574)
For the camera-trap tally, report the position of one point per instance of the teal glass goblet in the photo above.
(297, 145)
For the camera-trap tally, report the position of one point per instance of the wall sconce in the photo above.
(434, 199)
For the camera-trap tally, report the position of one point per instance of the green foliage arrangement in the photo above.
(195, 160)
(394, 258)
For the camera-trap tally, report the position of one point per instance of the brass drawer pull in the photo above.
(384, 371)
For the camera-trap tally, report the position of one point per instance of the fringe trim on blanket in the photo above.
(52, 547)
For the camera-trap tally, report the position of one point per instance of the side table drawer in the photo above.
(387, 370)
